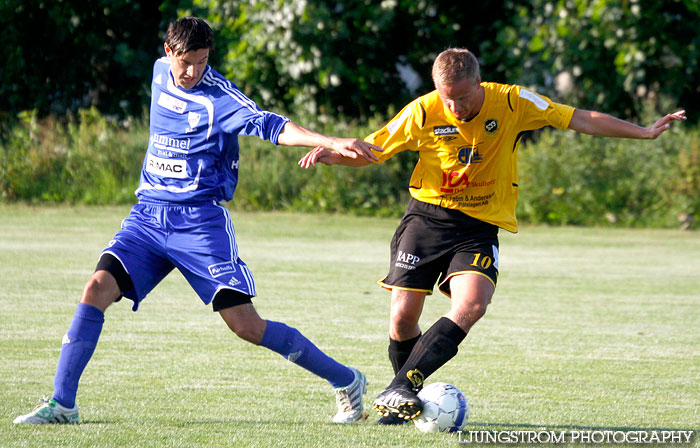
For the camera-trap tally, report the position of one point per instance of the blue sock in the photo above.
(291, 344)
(78, 345)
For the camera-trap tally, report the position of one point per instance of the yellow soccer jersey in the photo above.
(470, 166)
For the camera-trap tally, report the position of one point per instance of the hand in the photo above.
(317, 155)
(664, 123)
(352, 148)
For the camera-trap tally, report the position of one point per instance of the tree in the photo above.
(356, 57)
(627, 57)
(63, 55)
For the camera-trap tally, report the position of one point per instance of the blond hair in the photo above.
(454, 65)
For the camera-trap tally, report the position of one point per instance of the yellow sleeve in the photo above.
(399, 134)
(538, 111)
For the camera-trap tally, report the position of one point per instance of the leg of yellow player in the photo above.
(471, 294)
(406, 308)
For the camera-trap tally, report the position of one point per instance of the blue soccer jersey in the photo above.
(191, 166)
(192, 154)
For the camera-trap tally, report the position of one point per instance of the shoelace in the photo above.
(42, 401)
(342, 398)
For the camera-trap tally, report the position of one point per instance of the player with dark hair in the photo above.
(464, 188)
(190, 169)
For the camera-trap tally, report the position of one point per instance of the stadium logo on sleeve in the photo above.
(491, 126)
(439, 131)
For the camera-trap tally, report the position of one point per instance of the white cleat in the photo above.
(349, 399)
(49, 411)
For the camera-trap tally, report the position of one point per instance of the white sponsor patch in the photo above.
(405, 257)
(172, 103)
(534, 98)
(394, 125)
(159, 79)
(219, 269)
(166, 167)
(445, 130)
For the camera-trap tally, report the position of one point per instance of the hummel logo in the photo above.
(294, 356)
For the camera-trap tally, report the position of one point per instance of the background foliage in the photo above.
(346, 56)
(64, 55)
(329, 56)
(565, 177)
(619, 56)
(72, 96)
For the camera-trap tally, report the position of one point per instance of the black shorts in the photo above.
(434, 243)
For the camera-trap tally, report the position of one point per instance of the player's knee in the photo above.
(251, 331)
(477, 310)
(404, 325)
(100, 291)
(470, 312)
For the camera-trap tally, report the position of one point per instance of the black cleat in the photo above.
(399, 401)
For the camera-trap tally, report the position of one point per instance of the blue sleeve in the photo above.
(266, 125)
(238, 114)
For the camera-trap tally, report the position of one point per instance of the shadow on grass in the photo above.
(201, 422)
(470, 425)
(531, 426)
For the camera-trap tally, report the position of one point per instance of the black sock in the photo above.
(399, 352)
(437, 346)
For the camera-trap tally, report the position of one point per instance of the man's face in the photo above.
(463, 98)
(187, 68)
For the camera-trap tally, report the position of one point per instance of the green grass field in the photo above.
(589, 329)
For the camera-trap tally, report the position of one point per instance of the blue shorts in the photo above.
(198, 240)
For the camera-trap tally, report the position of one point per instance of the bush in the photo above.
(565, 177)
(270, 179)
(570, 178)
(87, 159)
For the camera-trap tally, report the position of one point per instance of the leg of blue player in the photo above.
(76, 350)
(287, 341)
(349, 383)
(81, 339)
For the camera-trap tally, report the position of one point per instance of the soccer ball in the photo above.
(444, 408)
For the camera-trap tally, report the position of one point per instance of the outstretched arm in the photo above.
(327, 157)
(603, 125)
(352, 148)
